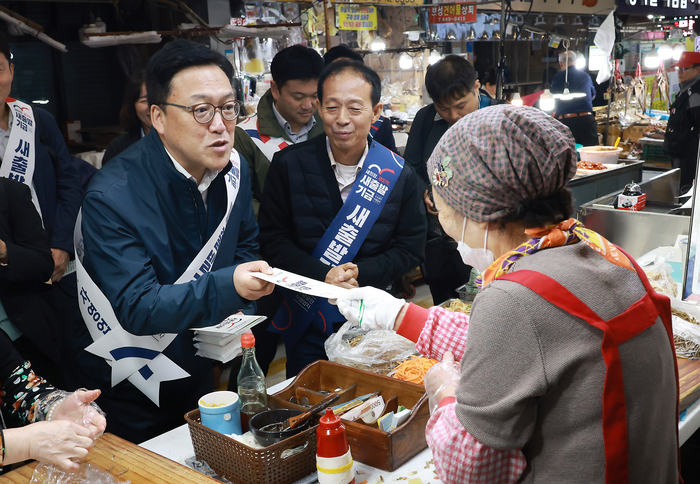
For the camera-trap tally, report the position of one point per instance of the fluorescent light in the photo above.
(547, 101)
(378, 44)
(677, 51)
(405, 61)
(580, 61)
(516, 101)
(568, 95)
(665, 51)
(652, 59)
(40, 101)
(434, 57)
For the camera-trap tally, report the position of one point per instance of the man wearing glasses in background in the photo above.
(167, 244)
(681, 140)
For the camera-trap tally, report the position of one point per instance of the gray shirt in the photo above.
(532, 374)
(303, 133)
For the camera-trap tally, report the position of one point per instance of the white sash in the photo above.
(18, 162)
(272, 144)
(140, 358)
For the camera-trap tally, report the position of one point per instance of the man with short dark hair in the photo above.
(577, 113)
(286, 112)
(167, 244)
(681, 141)
(381, 129)
(454, 88)
(340, 208)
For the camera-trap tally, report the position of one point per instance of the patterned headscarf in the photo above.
(498, 157)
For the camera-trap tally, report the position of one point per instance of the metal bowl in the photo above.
(270, 417)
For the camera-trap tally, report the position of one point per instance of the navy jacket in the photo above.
(301, 199)
(579, 81)
(57, 182)
(383, 134)
(143, 223)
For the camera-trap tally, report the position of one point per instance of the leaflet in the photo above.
(302, 284)
(234, 324)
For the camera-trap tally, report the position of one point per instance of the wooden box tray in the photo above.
(369, 444)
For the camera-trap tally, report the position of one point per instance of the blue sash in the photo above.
(341, 243)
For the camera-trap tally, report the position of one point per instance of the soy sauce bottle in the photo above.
(252, 388)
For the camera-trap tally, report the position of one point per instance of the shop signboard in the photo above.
(356, 18)
(659, 7)
(452, 13)
(587, 7)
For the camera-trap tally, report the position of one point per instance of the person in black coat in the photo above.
(135, 116)
(305, 190)
(26, 266)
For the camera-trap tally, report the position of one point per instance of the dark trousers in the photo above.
(443, 269)
(689, 167)
(584, 129)
(310, 348)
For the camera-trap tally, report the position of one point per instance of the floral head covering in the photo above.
(495, 158)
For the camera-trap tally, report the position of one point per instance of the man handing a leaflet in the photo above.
(166, 243)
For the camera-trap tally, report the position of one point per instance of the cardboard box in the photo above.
(633, 203)
(634, 132)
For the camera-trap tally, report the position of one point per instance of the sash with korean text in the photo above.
(341, 243)
(140, 359)
(18, 162)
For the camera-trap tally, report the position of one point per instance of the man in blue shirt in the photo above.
(576, 113)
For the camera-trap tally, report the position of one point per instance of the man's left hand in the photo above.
(248, 286)
(60, 262)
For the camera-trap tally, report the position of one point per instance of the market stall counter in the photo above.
(590, 185)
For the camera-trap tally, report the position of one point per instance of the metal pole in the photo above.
(501, 53)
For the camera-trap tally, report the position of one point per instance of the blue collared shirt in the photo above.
(303, 133)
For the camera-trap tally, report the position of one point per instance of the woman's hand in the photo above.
(441, 380)
(76, 408)
(55, 442)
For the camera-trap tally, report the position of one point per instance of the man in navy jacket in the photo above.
(146, 216)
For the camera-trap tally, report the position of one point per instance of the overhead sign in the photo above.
(659, 7)
(588, 7)
(452, 13)
(356, 18)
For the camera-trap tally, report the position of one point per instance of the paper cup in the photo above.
(221, 411)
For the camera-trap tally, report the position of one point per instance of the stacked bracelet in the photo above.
(49, 415)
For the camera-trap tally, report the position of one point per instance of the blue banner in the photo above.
(341, 243)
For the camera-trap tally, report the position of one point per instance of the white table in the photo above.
(176, 445)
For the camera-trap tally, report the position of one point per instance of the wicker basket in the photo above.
(243, 465)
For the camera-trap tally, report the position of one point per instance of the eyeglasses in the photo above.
(204, 112)
(683, 69)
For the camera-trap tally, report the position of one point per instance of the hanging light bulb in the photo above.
(580, 61)
(577, 21)
(540, 20)
(405, 61)
(677, 51)
(559, 20)
(652, 59)
(547, 101)
(665, 51)
(517, 100)
(377, 44)
(434, 57)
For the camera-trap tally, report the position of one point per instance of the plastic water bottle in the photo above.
(252, 389)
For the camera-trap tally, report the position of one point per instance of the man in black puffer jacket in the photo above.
(681, 141)
(304, 227)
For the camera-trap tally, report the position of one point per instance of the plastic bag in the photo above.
(686, 329)
(70, 407)
(378, 351)
(659, 274)
(88, 474)
(440, 377)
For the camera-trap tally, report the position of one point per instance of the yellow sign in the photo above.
(392, 2)
(356, 18)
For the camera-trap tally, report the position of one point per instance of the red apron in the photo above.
(639, 317)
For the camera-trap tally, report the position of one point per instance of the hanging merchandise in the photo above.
(605, 41)
(252, 57)
(356, 18)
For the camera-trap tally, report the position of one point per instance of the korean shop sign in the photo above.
(453, 13)
(357, 18)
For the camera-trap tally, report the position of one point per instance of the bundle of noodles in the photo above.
(686, 335)
(413, 369)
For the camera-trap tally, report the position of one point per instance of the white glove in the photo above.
(370, 308)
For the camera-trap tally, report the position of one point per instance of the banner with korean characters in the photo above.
(452, 13)
(356, 18)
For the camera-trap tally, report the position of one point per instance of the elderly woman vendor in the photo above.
(62, 426)
(568, 371)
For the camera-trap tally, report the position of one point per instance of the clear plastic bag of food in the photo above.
(378, 351)
(88, 474)
(659, 274)
(686, 329)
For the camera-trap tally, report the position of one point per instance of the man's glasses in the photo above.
(204, 112)
(683, 69)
